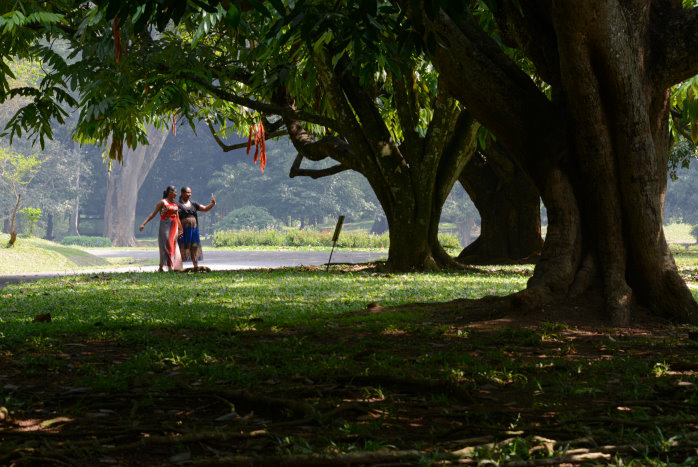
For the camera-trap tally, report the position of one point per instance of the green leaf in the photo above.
(278, 6)
(691, 109)
(233, 16)
(259, 6)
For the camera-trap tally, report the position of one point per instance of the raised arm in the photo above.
(153, 214)
(210, 206)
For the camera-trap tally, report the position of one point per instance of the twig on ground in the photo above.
(189, 438)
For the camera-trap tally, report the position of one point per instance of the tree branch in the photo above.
(232, 147)
(528, 26)
(676, 31)
(372, 124)
(501, 96)
(456, 154)
(296, 170)
(263, 107)
(408, 113)
(328, 146)
(441, 126)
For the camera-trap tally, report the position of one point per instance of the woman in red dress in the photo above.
(170, 230)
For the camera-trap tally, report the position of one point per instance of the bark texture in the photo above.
(123, 183)
(73, 227)
(597, 150)
(13, 234)
(509, 207)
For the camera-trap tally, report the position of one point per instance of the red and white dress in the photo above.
(167, 237)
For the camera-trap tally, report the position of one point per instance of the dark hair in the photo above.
(168, 189)
(181, 192)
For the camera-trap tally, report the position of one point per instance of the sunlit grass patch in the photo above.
(679, 233)
(31, 254)
(195, 320)
(283, 295)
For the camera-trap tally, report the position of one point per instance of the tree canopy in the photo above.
(342, 87)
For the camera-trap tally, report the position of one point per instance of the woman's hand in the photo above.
(141, 227)
(213, 199)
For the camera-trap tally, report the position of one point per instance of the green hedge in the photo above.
(81, 240)
(304, 238)
(247, 218)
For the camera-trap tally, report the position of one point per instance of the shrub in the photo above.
(248, 217)
(248, 237)
(449, 241)
(87, 241)
(31, 217)
(313, 238)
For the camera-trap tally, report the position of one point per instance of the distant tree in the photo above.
(31, 217)
(16, 171)
(304, 199)
(123, 184)
(681, 203)
(247, 217)
(56, 187)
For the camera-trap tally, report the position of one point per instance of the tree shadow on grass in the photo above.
(77, 257)
(462, 380)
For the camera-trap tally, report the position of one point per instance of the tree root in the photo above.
(576, 451)
(353, 406)
(218, 435)
(309, 460)
(409, 457)
(243, 396)
(409, 384)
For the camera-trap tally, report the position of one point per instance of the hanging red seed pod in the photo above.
(117, 40)
(256, 146)
(249, 139)
(263, 150)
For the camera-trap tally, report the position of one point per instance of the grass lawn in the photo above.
(291, 366)
(31, 254)
(679, 233)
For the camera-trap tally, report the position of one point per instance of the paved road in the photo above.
(226, 259)
(216, 260)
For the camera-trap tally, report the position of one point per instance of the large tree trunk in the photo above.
(73, 227)
(123, 183)
(597, 152)
(621, 120)
(413, 209)
(509, 207)
(411, 220)
(410, 180)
